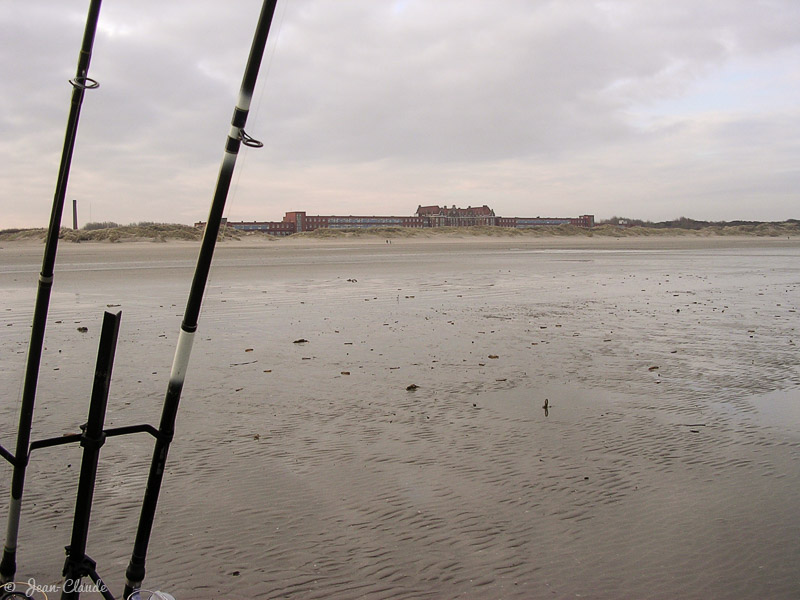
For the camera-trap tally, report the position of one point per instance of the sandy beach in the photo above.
(666, 465)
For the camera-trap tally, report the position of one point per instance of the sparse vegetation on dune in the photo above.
(162, 232)
(13, 235)
(692, 224)
(156, 232)
(426, 232)
(788, 228)
(100, 225)
(111, 232)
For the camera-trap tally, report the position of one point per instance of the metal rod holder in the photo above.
(79, 565)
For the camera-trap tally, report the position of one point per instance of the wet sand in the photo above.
(666, 466)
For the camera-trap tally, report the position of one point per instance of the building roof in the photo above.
(443, 210)
(429, 210)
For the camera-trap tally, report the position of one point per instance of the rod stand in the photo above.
(8, 456)
(78, 568)
(79, 565)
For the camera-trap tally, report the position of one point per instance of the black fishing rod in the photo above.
(135, 573)
(19, 460)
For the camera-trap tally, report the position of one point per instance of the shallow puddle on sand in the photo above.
(780, 409)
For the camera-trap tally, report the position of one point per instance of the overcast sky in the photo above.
(637, 108)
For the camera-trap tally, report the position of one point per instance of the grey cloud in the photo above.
(434, 90)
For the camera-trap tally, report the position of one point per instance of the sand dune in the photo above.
(162, 232)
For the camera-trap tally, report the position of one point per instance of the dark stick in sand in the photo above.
(80, 84)
(135, 573)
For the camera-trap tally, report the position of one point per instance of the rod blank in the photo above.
(80, 84)
(135, 573)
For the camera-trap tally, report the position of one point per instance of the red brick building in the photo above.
(304, 222)
(436, 216)
(526, 222)
(426, 216)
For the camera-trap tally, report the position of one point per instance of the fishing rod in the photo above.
(135, 573)
(19, 460)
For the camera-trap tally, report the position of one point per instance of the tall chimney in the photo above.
(75, 214)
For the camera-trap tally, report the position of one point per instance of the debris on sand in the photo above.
(412, 387)
(252, 362)
(300, 341)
